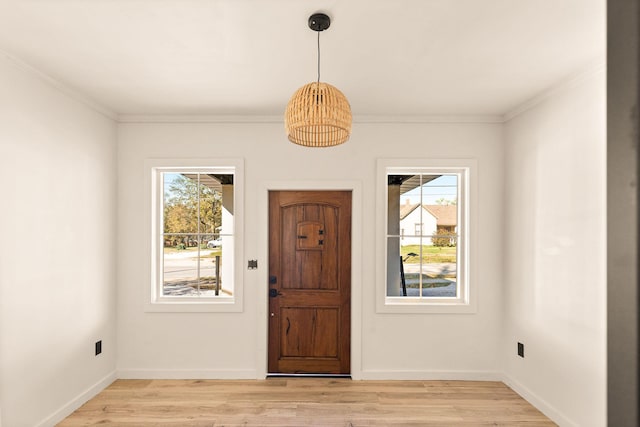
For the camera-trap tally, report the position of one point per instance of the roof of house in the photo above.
(445, 215)
(406, 209)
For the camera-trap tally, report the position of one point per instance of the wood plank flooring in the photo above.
(306, 402)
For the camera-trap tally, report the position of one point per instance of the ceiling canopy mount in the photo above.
(319, 22)
(318, 114)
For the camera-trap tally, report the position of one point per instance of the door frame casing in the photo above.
(261, 285)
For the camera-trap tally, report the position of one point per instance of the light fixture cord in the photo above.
(319, 58)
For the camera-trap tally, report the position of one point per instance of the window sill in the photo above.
(402, 305)
(219, 305)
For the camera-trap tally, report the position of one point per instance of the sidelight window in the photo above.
(196, 218)
(425, 235)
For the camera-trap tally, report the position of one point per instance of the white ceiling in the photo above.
(247, 57)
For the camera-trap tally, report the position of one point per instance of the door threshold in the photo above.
(307, 375)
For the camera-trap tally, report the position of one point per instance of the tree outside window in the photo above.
(197, 234)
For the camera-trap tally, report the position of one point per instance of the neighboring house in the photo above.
(416, 222)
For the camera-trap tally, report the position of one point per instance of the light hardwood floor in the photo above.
(306, 402)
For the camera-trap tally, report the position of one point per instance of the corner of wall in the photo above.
(554, 264)
(75, 403)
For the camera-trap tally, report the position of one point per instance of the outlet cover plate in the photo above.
(521, 349)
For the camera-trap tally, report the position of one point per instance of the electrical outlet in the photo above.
(521, 349)
(98, 347)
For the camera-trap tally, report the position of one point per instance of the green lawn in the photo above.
(430, 254)
(214, 253)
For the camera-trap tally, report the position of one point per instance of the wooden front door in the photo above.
(309, 282)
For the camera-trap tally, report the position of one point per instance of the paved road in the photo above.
(442, 291)
(184, 265)
(446, 270)
(181, 272)
(440, 269)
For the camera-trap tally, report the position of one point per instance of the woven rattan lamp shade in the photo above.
(318, 115)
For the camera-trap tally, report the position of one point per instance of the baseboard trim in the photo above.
(373, 374)
(78, 401)
(187, 374)
(540, 404)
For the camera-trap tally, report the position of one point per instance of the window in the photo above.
(196, 219)
(429, 270)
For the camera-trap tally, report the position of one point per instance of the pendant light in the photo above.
(318, 114)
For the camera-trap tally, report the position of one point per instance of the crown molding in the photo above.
(59, 86)
(374, 119)
(429, 118)
(595, 67)
(213, 118)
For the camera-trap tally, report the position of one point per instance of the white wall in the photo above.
(555, 253)
(219, 345)
(57, 259)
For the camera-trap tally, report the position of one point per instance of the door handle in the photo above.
(274, 293)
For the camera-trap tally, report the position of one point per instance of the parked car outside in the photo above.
(216, 243)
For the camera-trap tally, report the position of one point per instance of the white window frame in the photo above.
(466, 300)
(154, 300)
